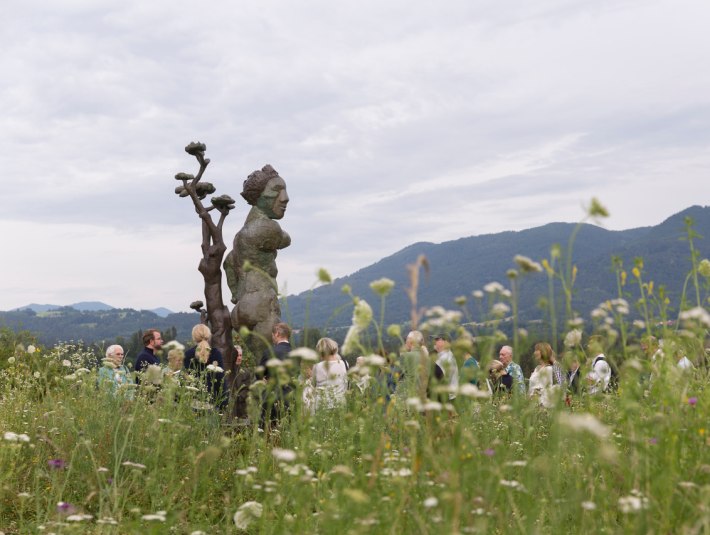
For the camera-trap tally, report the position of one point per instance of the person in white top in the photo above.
(330, 376)
(447, 362)
(541, 384)
(600, 375)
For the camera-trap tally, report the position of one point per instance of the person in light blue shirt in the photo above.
(114, 373)
(506, 357)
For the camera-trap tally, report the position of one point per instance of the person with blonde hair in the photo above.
(330, 376)
(541, 380)
(206, 363)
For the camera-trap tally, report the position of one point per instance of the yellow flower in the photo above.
(636, 272)
(623, 278)
(650, 288)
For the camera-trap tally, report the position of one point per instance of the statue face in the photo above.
(274, 198)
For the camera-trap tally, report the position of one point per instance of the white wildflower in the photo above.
(493, 287)
(66, 363)
(430, 502)
(382, 286)
(36, 375)
(500, 309)
(11, 360)
(576, 322)
(158, 515)
(284, 455)
(687, 484)
(14, 437)
(78, 518)
(478, 294)
(584, 422)
(633, 502)
(588, 506)
(131, 464)
(362, 315)
(472, 391)
(374, 360)
(273, 362)
(517, 463)
(107, 520)
(639, 324)
(434, 406)
(512, 484)
(573, 338)
(246, 514)
(31, 349)
(306, 354)
(704, 268)
(696, 315)
(215, 368)
(598, 313)
(24, 495)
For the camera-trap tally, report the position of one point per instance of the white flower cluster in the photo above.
(633, 503)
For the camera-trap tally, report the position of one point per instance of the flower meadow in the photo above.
(79, 457)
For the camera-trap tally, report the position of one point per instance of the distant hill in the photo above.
(162, 312)
(84, 306)
(461, 266)
(67, 323)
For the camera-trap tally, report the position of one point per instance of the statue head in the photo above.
(266, 190)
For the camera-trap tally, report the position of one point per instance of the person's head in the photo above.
(201, 332)
(152, 339)
(505, 355)
(115, 354)
(175, 358)
(441, 342)
(202, 351)
(649, 345)
(238, 355)
(573, 363)
(544, 353)
(326, 347)
(414, 340)
(496, 369)
(266, 190)
(280, 332)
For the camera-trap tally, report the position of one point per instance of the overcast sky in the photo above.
(391, 122)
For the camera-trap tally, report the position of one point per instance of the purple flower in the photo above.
(57, 464)
(653, 441)
(490, 452)
(65, 508)
(692, 401)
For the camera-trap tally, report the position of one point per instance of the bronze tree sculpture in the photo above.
(213, 249)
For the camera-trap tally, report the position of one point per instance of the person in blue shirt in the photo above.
(513, 369)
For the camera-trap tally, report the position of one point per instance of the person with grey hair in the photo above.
(114, 373)
(415, 368)
(330, 376)
(513, 369)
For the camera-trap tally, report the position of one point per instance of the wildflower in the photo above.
(324, 276)
(66, 363)
(596, 209)
(584, 422)
(598, 313)
(511, 274)
(394, 331)
(107, 520)
(639, 324)
(57, 464)
(478, 294)
(588, 506)
(24, 495)
(432, 406)
(102, 469)
(362, 315)
(78, 518)
(687, 484)
(246, 514)
(526, 264)
(374, 360)
(430, 502)
(472, 391)
(158, 515)
(352, 340)
(214, 367)
(489, 452)
(11, 360)
(153, 374)
(305, 354)
(692, 401)
(65, 508)
(31, 349)
(573, 338)
(131, 464)
(512, 484)
(493, 287)
(517, 463)
(704, 268)
(14, 437)
(697, 315)
(633, 502)
(576, 322)
(500, 309)
(284, 455)
(653, 441)
(382, 286)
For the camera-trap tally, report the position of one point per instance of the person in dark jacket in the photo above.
(152, 342)
(206, 363)
(243, 378)
(278, 390)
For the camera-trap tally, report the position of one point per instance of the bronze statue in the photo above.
(251, 265)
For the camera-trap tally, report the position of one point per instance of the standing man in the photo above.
(513, 369)
(275, 398)
(447, 362)
(152, 342)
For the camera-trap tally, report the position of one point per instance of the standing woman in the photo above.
(330, 376)
(207, 364)
(541, 380)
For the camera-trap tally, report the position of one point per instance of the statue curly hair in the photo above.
(256, 183)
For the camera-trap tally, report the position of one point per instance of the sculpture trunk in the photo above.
(217, 313)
